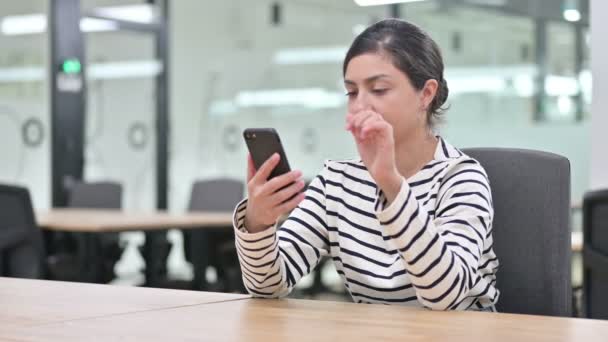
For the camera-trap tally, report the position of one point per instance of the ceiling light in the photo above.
(142, 13)
(97, 25)
(23, 24)
(37, 23)
(311, 55)
(381, 2)
(572, 15)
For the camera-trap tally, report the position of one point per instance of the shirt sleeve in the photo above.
(273, 260)
(441, 249)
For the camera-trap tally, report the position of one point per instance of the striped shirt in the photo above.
(431, 247)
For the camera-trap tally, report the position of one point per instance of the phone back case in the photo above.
(262, 144)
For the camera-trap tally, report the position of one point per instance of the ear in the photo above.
(428, 93)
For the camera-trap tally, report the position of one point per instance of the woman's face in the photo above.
(373, 83)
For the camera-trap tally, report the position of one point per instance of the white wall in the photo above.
(20, 101)
(599, 106)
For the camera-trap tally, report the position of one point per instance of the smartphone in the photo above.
(262, 144)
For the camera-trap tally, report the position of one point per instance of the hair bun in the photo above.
(443, 92)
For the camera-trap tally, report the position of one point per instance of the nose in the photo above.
(361, 102)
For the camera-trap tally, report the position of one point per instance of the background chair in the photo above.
(532, 236)
(214, 246)
(595, 254)
(68, 247)
(96, 195)
(21, 248)
(101, 195)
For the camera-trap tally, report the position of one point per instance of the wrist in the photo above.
(391, 185)
(254, 227)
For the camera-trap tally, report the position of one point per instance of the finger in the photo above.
(287, 193)
(356, 124)
(364, 122)
(290, 205)
(363, 118)
(281, 181)
(349, 120)
(375, 127)
(266, 169)
(369, 121)
(359, 118)
(250, 168)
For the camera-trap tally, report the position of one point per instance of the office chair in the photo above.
(64, 263)
(21, 247)
(531, 231)
(215, 195)
(595, 254)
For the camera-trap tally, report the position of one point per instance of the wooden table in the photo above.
(89, 222)
(96, 221)
(38, 302)
(242, 319)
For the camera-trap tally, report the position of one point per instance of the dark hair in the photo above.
(412, 51)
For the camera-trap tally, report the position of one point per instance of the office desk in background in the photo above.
(92, 221)
(87, 222)
(98, 221)
(183, 315)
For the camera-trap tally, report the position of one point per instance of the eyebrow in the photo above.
(367, 80)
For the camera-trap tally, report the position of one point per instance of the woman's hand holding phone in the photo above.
(270, 199)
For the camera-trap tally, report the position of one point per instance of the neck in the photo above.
(412, 153)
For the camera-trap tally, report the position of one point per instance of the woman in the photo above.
(409, 223)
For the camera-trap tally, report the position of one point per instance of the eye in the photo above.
(351, 93)
(379, 91)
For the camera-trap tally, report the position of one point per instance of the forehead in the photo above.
(369, 65)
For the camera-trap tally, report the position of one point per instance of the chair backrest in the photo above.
(17, 219)
(531, 229)
(595, 254)
(97, 195)
(216, 195)
(21, 249)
